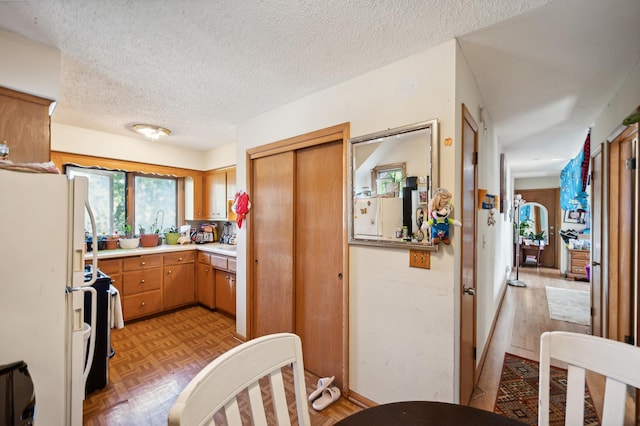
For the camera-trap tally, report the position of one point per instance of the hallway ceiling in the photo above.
(546, 69)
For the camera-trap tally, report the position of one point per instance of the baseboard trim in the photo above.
(483, 356)
(360, 400)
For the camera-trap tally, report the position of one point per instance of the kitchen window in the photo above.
(117, 197)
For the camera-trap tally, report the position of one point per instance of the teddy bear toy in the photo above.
(440, 209)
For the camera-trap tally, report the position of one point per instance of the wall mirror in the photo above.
(391, 176)
(534, 223)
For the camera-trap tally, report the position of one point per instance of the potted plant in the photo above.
(537, 238)
(152, 238)
(171, 235)
(129, 241)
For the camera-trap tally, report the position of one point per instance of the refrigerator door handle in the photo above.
(94, 256)
(92, 338)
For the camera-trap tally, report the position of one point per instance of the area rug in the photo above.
(518, 393)
(569, 305)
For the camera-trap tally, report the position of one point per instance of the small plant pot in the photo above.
(171, 237)
(111, 244)
(129, 243)
(149, 240)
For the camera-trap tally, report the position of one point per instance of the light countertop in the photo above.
(225, 249)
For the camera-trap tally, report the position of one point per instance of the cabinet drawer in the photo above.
(203, 257)
(110, 266)
(139, 281)
(578, 270)
(580, 254)
(141, 262)
(179, 258)
(219, 262)
(579, 262)
(232, 264)
(141, 304)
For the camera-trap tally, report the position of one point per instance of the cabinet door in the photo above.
(178, 285)
(204, 292)
(216, 195)
(226, 292)
(25, 125)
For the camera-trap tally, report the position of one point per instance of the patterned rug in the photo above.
(518, 393)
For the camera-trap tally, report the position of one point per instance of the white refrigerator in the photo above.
(43, 288)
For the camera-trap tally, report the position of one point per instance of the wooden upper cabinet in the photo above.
(219, 185)
(25, 125)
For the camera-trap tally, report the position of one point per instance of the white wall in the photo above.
(90, 142)
(29, 67)
(537, 182)
(494, 242)
(401, 319)
(623, 103)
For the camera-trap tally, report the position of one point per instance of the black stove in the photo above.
(88, 269)
(99, 374)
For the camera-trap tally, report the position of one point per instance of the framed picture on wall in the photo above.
(574, 216)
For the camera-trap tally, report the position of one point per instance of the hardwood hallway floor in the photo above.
(523, 317)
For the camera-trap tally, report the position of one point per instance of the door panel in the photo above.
(272, 235)
(621, 240)
(596, 243)
(318, 271)
(468, 211)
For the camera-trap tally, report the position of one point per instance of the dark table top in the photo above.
(425, 413)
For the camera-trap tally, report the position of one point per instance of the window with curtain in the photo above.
(153, 199)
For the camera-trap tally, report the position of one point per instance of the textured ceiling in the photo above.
(199, 67)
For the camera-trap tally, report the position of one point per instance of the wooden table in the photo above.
(425, 413)
(532, 250)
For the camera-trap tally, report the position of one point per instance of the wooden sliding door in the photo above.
(296, 278)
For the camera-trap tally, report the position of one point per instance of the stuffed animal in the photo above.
(440, 209)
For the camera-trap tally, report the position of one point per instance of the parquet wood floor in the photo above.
(156, 358)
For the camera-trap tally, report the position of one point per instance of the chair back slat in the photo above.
(615, 397)
(618, 362)
(232, 412)
(280, 406)
(575, 396)
(239, 370)
(256, 405)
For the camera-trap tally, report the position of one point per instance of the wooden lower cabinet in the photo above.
(205, 291)
(179, 284)
(226, 292)
(217, 282)
(141, 286)
(150, 284)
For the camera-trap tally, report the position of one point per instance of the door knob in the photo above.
(594, 263)
(469, 290)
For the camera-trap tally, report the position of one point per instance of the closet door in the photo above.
(319, 310)
(621, 237)
(273, 243)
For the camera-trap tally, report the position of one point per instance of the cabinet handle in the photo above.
(141, 281)
(142, 304)
(206, 270)
(170, 271)
(179, 259)
(143, 263)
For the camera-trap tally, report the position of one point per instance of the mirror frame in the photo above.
(433, 173)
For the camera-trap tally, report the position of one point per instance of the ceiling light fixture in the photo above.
(151, 131)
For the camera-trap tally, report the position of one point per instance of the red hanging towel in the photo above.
(241, 206)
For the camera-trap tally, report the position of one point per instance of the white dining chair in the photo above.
(618, 362)
(216, 387)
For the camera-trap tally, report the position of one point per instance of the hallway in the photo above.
(524, 315)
